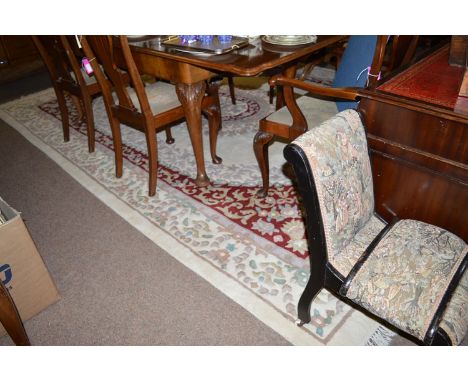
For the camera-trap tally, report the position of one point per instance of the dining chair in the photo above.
(10, 318)
(145, 107)
(69, 78)
(359, 67)
(403, 49)
(406, 274)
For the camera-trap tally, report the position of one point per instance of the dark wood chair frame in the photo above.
(102, 48)
(269, 129)
(324, 275)
(60, 59)
(10, 318)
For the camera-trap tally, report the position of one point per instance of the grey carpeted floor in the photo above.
(116, 286)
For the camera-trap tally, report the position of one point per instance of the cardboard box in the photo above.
(22, 269)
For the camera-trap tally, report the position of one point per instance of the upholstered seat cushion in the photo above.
(161, 97)
(405, 277)
(315, 111)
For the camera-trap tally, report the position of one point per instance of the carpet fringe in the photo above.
(381, 337)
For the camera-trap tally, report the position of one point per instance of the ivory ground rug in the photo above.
(251, 249)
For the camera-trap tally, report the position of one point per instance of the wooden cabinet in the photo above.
(18, 57)
(417, 129)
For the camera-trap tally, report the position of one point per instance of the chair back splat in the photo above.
(408, 275)
(118, 72)
(61, 56)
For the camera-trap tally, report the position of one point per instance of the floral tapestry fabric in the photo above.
(454, 320)
(344, 261)
(408, 273)
(338, 157)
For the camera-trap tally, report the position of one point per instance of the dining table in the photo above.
(190, 70)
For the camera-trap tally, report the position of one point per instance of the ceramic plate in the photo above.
(289, 39)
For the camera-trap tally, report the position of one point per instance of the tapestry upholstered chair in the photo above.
(287, 123)
(157, 107)
(68, 76)
(10, 318)
(407, 274)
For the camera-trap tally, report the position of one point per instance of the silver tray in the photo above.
(198, 47)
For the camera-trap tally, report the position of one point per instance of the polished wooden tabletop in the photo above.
(251, 60)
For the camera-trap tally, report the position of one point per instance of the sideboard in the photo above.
(417, 129)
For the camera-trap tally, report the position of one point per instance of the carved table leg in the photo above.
(191, 96)
(213, 91)
(213, 113)
(260, 146)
